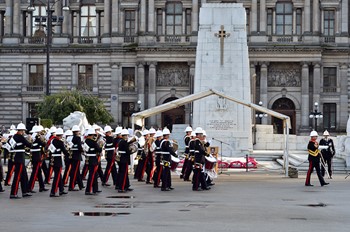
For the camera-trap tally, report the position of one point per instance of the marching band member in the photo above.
(19, 143)
(101, 142)
(206, 144)
(116, 141)
(142, 159)
(149, 155)
(67, 137)
(327, 154)
(49, 137)
(56, 148)
(76, 150)
(37, 159)
(110, 156)
(92, 150)
(124, 153)
(11, 155)
(190, 163)
(314, 160)
(199, 153)
(86, 166)
(186, 165)
(158, 154)
(167, 152)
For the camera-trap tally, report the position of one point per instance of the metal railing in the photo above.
(330, 89)
(327, 39)
(35, 88)
(128, 88)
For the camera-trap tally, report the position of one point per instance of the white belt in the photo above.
(90, 154)
(109, 149)
(122, 152)
(186, 146)
(191, 150)
(165, 152)
(74, 149)
(33, 150)
(56, 155)
(140, 149)
(109, 144)
(19, 150)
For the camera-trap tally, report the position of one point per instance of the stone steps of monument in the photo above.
(300, 162)
(264, 155)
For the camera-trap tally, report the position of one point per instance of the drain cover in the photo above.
(184, 210)
(301, 219)
(123, 197)
(317, 205)
(122, 205)
(97, 214)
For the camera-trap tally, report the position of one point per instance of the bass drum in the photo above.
(133, 148)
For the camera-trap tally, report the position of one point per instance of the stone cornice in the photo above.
(297, 50)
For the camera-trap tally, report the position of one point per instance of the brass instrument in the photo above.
(174, 144)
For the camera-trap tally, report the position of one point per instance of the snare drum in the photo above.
(174, 162)
(210, 161)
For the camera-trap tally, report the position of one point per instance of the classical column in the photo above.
(316, 16)
(115, 17)
(253, 80)
(25, 75)
(316, 83)
(343, 82)
(8, 18)
(263, 16)
(141, 83)
(66, 22)
(273, 21)
(191, 81)
(58, 12)
(107, 17)
(294, 21)
(254, 24)
(74, 76)
(194, 14)
(16, 17)
(305, 96)
(151, 16)
(152, 91)
(95, 78)
(115, 85)
(183, 21)
(163, 21)
(77, 30)
(263, 87)
(344, 17)
(121, 21)
(306, 18)
(143, 17)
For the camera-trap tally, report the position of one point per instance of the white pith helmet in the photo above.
(59, 131)
(21, 126)
(124, 132)
(166, 131)
(188, 129)
(75, 128)
(313, 133)
(199, 130)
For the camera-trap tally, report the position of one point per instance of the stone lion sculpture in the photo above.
(76, 118)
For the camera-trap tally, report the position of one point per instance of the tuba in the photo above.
(134, 141)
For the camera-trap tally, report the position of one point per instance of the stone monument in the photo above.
(222, 64)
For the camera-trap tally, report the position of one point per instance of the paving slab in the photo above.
(241, 201)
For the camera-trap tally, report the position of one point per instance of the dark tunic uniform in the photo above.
(19, 162)
(124, 153)
(167, 152)
(56, 163)
(314, 162)
(191, 148)
(186, 164)
(37, 158)
(10, 163)
(110, 157)
(92, 157)
(159, 168)
(141, 165)
(199, 160)
(75, 177)
(327, 155)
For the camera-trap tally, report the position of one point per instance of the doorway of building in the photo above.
(284, 106)
(173, 116)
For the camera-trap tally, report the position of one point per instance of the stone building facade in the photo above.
(136, 54)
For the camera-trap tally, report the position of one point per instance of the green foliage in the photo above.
(58, 106)
(46, 123)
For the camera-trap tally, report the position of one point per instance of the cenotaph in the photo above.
(222, 64)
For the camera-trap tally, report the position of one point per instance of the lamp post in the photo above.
(49, 19)
(259, 115)
(316, 115)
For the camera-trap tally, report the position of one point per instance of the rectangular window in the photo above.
(328, 28)
(128, 83)
(284, 18)
(32, 110)
(247, 25)
(329, 79)
(159, 21)
(174, 19)
(299, 16)
(128, 108)
(36, 77)
(269, 21)
(188, 22)
(85, 77)
(129, 28)
(329, 116)
(88, 21)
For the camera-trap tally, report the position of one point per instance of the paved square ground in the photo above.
(253, 201)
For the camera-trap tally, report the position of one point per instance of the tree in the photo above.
(58, 106)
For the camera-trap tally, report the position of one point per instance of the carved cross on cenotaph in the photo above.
(222, 35)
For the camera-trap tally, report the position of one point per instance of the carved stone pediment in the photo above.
(284, 74)
(172, 74)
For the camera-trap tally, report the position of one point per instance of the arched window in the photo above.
(284, 18)
(174, 18)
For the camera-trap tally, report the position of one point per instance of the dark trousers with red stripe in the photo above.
(123, 181)
(100, 173)
(166, 177)
(67, 170)
(84, 171)
(20, 176)
(49, 174)
(140, 166)
(157, 174)
(183, 170)
(45, 169)
(110, 168)
(198, 179)
(188, 170)
(92, 185)
(10, 170)
(75, 177)
(149, 167)
(36, 175)
(312, 165)
(57, 183)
